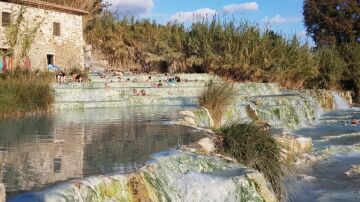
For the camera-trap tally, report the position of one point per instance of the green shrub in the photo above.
(254, 148)
(331, 68)
(216, 98)
(23, 92)
(351, 54)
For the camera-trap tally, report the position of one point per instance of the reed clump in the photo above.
(23, 92)
(256, 149)
(216, 98)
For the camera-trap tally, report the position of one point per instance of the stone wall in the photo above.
(66, 48)
(2, 193)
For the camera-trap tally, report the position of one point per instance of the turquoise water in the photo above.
(326, 180)
(45, 150)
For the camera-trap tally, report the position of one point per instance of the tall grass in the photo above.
(24, 92)
(255, 148)
(238, 50)
(216, 98)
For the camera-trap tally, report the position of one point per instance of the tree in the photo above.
(332, 22)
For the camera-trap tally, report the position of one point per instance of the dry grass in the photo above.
(216, 98)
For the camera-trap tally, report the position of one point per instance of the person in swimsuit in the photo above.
(60, 77)
(79, 78)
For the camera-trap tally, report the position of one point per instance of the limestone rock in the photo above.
(2, 193)
(295, 146)
(187, 114)
(207, 145)
(198, 119)
(262, 186)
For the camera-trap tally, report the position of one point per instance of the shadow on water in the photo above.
(41, 151)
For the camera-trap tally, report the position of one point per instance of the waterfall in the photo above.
(340, 102)
(289, 110)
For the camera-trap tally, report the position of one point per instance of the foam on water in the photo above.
(340, 102)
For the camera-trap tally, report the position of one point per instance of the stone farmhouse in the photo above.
(59, 38)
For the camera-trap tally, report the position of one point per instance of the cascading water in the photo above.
(268, 103)
(340, 102)
(334, 172)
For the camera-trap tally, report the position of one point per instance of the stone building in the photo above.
(59, 38)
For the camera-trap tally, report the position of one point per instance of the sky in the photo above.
(284, 16)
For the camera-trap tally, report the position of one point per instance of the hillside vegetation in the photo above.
(240, 51)
(237, 50)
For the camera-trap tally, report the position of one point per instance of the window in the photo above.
(50, 59)
(5, 19)
(56, 29)
(57, 165)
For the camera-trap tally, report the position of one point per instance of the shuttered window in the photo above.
(5, 19)
(56, 29)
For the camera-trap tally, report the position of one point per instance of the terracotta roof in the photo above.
(48, 6)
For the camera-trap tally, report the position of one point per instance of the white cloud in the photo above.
(249, 6)
(131, 7)
(191, 16)
(278, 19)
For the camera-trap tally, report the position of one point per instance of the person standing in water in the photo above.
(354, 121)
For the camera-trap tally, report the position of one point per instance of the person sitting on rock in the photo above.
(159, 84)
(143, 92)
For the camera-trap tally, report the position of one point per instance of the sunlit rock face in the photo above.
(179, 176)
(294, 146)
(2, 193)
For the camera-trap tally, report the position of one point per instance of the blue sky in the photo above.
(284, 16)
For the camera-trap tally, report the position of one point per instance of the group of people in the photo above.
(61, 77)
(174, 80)
(137, 93)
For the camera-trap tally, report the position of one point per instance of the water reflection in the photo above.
(35, 152)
